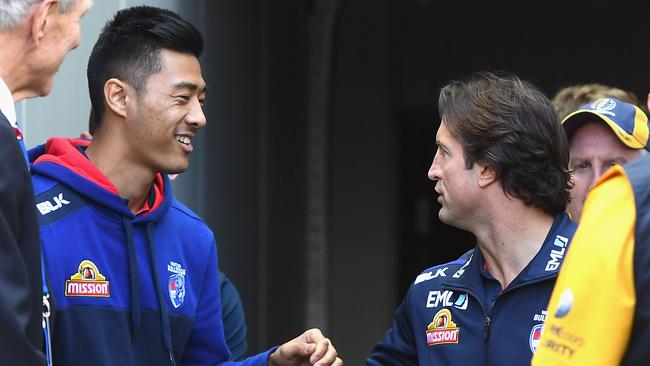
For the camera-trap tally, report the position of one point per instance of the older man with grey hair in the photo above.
(35, 35)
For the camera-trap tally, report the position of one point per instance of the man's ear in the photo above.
(648, 101)
(40, 18)
(115, 96)
(487, 175)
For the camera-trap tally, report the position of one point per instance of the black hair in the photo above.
(129, 49)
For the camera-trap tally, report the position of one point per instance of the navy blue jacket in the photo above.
(127, 289)
(234, 318)
(452, 316)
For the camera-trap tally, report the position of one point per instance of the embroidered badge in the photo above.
(87, 282)
(535, 335)
(442, 330)
(176, 285)
(604, 106)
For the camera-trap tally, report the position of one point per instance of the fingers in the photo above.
(325, 354)
(297, 349)
(312, 346)
(313, 335)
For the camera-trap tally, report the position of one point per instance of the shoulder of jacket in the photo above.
(42, 184)
(443, 270)
(185, 218)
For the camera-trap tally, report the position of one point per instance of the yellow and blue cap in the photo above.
(627, 121)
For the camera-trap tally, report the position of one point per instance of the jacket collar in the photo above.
(545, 265)
(60, 160)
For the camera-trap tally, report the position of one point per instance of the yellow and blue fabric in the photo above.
(626, 120)
(599, 313)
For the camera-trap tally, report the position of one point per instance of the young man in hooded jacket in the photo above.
(132, 272)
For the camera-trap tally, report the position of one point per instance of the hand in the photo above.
(310, 348)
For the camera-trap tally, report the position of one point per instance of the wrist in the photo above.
(274, 359)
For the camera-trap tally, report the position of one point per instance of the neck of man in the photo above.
(13, 64)
(114, 159)
(510, 236)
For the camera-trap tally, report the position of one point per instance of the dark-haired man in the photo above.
(501, 173)
(133, 272)
(35, 36)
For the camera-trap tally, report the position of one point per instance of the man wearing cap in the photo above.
(601, 134)
(606, 324)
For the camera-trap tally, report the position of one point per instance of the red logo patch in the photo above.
(87, 282)
(442, 330)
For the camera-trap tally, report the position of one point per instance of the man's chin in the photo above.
(46, 88)
(176, 169)
(442, 215)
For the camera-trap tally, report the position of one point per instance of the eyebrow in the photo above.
(190, 86)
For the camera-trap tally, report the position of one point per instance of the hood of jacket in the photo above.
(62, 160)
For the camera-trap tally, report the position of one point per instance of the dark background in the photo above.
(385, 61)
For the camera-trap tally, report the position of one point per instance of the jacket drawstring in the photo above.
(162, 304)
(133, 278)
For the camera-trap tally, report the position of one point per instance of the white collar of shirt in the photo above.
(7, 106)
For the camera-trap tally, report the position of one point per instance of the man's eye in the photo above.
(581, 166)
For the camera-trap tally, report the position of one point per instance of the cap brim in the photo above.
(579, 118)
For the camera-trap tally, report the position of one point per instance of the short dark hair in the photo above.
(509, 125)
(129, 49)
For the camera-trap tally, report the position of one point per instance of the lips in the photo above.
(440, 194)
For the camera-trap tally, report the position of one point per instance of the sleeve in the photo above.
(234, 320)
(398, 346)
(20, 270)
(592, 305)
(207, 343)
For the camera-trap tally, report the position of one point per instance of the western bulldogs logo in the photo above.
(535, 335)
(176, 285)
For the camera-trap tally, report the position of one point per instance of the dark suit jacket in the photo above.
(21, 334)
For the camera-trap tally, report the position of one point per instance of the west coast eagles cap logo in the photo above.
(442, 330)
(87, 282)
(176, 285)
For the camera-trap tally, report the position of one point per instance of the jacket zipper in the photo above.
(486, 329)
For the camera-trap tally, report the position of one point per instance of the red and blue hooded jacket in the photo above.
(127, 289)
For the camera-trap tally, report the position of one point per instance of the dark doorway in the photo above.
(433, 42)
